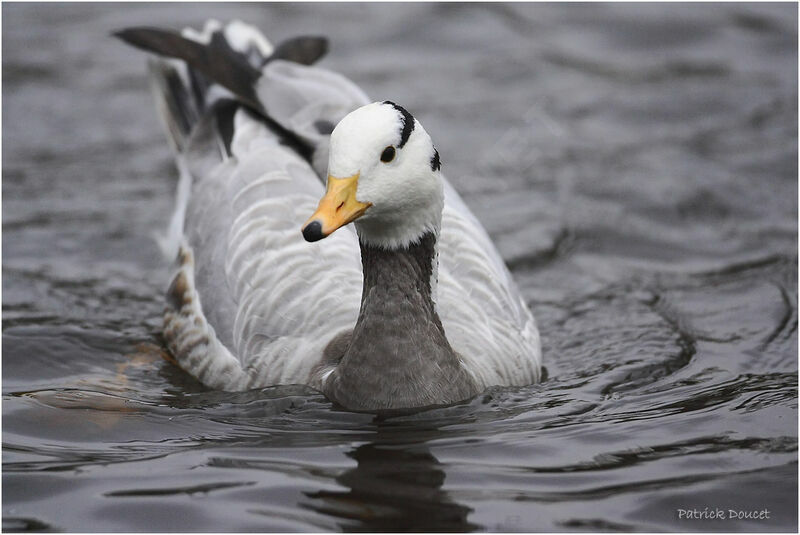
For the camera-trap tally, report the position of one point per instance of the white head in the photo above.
(383, 171)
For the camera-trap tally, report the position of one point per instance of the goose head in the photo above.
(383, 174)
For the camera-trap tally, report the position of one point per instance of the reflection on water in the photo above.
(396, 486)
(637, 167)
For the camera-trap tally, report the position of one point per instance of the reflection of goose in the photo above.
(252, 304)
(395, 487)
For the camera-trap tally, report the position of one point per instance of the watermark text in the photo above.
(716, 513)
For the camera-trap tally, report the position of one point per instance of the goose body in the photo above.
(409, 306)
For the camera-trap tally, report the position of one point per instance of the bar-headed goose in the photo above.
(411, 306)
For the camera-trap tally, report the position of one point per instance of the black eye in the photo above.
(388, 154)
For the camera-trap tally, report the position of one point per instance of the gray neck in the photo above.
(399, 356)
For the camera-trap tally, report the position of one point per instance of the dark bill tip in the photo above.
(313, 231)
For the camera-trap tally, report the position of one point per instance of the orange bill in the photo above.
(336, 209)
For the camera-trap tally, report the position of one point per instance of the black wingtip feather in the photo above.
(305, 50)
(217, 60)
(220, 63)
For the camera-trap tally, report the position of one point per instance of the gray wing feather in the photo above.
(308, 101)
(485, 318)
(274, 300)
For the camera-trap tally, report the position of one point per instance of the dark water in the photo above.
(637, 167)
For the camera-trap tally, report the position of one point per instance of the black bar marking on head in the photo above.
(407, 120)
(436, 164)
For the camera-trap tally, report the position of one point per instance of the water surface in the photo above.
(636, 166)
